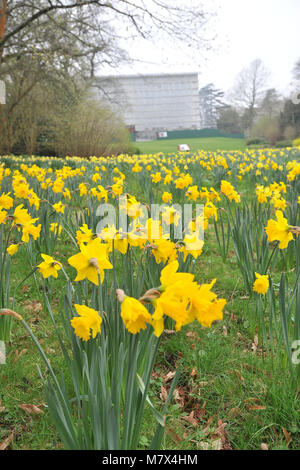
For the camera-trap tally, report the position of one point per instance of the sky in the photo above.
(244, 30)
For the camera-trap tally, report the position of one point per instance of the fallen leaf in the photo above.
(31, 409)
(34, 306)
(50, 351)
(7, 442)
(163, 394)
(255, 344)
(252, 399)
(200, 412)
(179, 397)
(249, 367)
(287, 435)
(203, 445)
(170, 332)
(174, 436)
(257, 407)
(264, 446)
(194, 372)
(207, 426)
(169, 376)
(191, 419)
(225, 333)
(234, 412)
(239, 375)
(217, 444)
(192, 334)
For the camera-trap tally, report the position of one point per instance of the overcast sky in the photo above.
(246, 30)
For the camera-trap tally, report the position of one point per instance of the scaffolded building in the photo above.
(153, 104)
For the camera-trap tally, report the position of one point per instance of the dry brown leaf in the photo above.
(234, 412)
(16, 356)
(221, 433)
(179, 397)
(7, 442)
(287, 435)
(192, 334)
(50, 351)
(2, 408)
(252, 399)
(257, 407)
(239, 375)
(225, 333)
(194, 372)
(217, 444)
(203, 445)
(170, 332)
(264, 446)
(174, 436)
(249, 367)
(169, 376)
(163, 394)
(31, 409)
(207, 426)
(34, 306)
(200, 412)
(220, 430)
(191, 419)
(254, 345)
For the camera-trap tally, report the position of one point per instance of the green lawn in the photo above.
(203, 143)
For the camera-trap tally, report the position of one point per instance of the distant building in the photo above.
(152, 104)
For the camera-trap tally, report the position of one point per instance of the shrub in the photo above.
(296, 142)
(257, 141)
(90, 129)
(283, 144)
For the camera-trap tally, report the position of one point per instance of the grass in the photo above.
(211, 144)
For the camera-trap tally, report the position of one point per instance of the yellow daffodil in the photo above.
(88, 322)
(49, 267)
(279, 230)
(261, 285)
(91, 260)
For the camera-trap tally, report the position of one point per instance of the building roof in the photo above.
(148, 75)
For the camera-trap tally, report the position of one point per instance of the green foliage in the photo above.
(296, 142)
(257, 141)
(283, 144)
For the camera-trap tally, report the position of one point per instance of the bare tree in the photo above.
(271, 104)
(211, 101)
(249, 90)
(78, 28)
(296, 70)
(76, 37)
